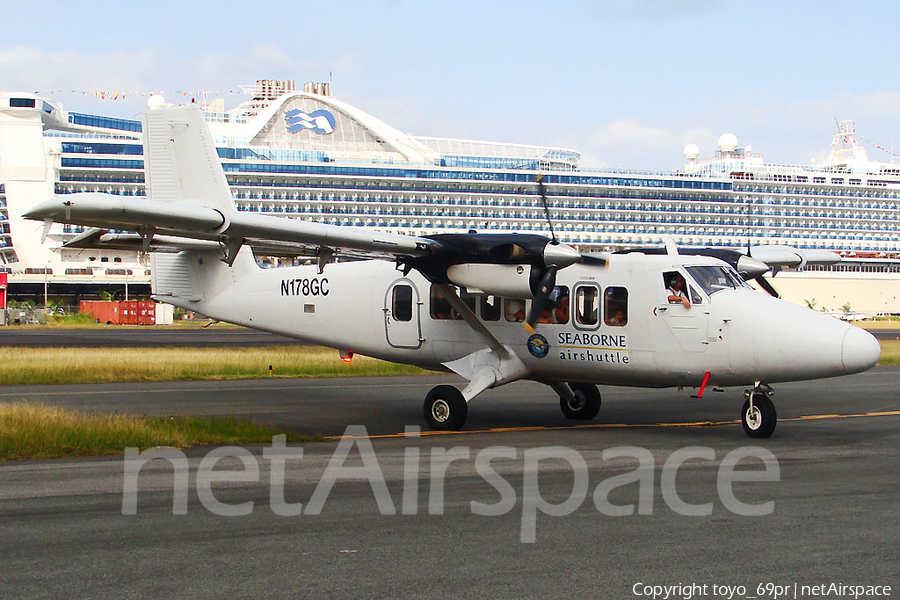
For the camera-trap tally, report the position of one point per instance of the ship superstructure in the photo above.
(306, 155)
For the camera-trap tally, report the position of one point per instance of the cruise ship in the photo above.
(304, 154)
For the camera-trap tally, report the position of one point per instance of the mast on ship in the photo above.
(845, 149)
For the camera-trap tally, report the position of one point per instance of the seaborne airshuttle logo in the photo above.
(538, 346)
(318, 121)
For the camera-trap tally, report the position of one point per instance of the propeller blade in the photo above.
(764, 284)
(548, 282)
(540, 181)
(594, 260)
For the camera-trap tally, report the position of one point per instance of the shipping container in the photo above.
(125, 312)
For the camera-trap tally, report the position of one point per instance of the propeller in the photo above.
(545, 288)
(764, 284)
(548, 280)
(556, 256)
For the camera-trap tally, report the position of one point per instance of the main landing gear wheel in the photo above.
(585, 405)
(445, 408)
(759, 420)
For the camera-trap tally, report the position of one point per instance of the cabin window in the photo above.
(490, 308)
(401, 303)
(515, 310)
(615, 300)
(587, 305)
(442, 310)
(469, 299)
(557, 308)
(440, 306)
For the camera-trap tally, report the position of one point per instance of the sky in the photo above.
(626, 83)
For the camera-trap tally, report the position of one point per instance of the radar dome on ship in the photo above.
(156, 101)
(728, 142)
(691, 151)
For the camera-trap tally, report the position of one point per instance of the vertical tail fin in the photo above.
(180, 159)
(181, 164)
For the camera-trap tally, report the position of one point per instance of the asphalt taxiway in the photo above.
(834, 519)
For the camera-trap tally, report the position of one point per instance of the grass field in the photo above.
(41, 431)
(879, 324)
(80, 321)
(890, 352)
(92, 365)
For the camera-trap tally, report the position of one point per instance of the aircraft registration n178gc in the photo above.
(494, 308)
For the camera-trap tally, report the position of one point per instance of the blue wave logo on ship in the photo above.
(318, 121)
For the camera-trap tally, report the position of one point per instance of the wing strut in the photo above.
(486, 368)
(471, 320)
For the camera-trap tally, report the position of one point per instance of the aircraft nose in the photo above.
(860, 350)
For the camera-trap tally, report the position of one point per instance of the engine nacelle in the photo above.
(510, 281)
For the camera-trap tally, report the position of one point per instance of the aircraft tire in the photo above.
(445, 408)
(761, 422)
(586, 405)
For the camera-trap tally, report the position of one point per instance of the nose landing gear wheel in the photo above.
(760, 420)
(585, 405)
(445, 408)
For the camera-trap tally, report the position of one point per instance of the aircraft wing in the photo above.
(105, 239)
(190, 206)
(177, 219)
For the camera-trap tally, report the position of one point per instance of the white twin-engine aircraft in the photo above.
(494, 308)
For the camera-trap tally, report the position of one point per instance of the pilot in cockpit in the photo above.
(677, 289)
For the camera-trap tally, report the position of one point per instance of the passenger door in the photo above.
(402, 320)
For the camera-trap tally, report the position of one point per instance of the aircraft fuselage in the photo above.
(738, 335)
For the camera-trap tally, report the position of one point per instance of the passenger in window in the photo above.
(557, 309)
(490, 308)
(561, 310)
(440, 307)
(469, 299)
(515, 310)
(677, 290)
(618, 319)
(546, 316)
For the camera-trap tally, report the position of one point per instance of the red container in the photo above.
(131, 312)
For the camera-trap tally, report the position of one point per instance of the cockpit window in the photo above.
(737, 278)
(715, 278)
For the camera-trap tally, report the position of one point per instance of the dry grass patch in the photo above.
(890, 352)
(878, 324)
(92, 365)
(41, 431)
